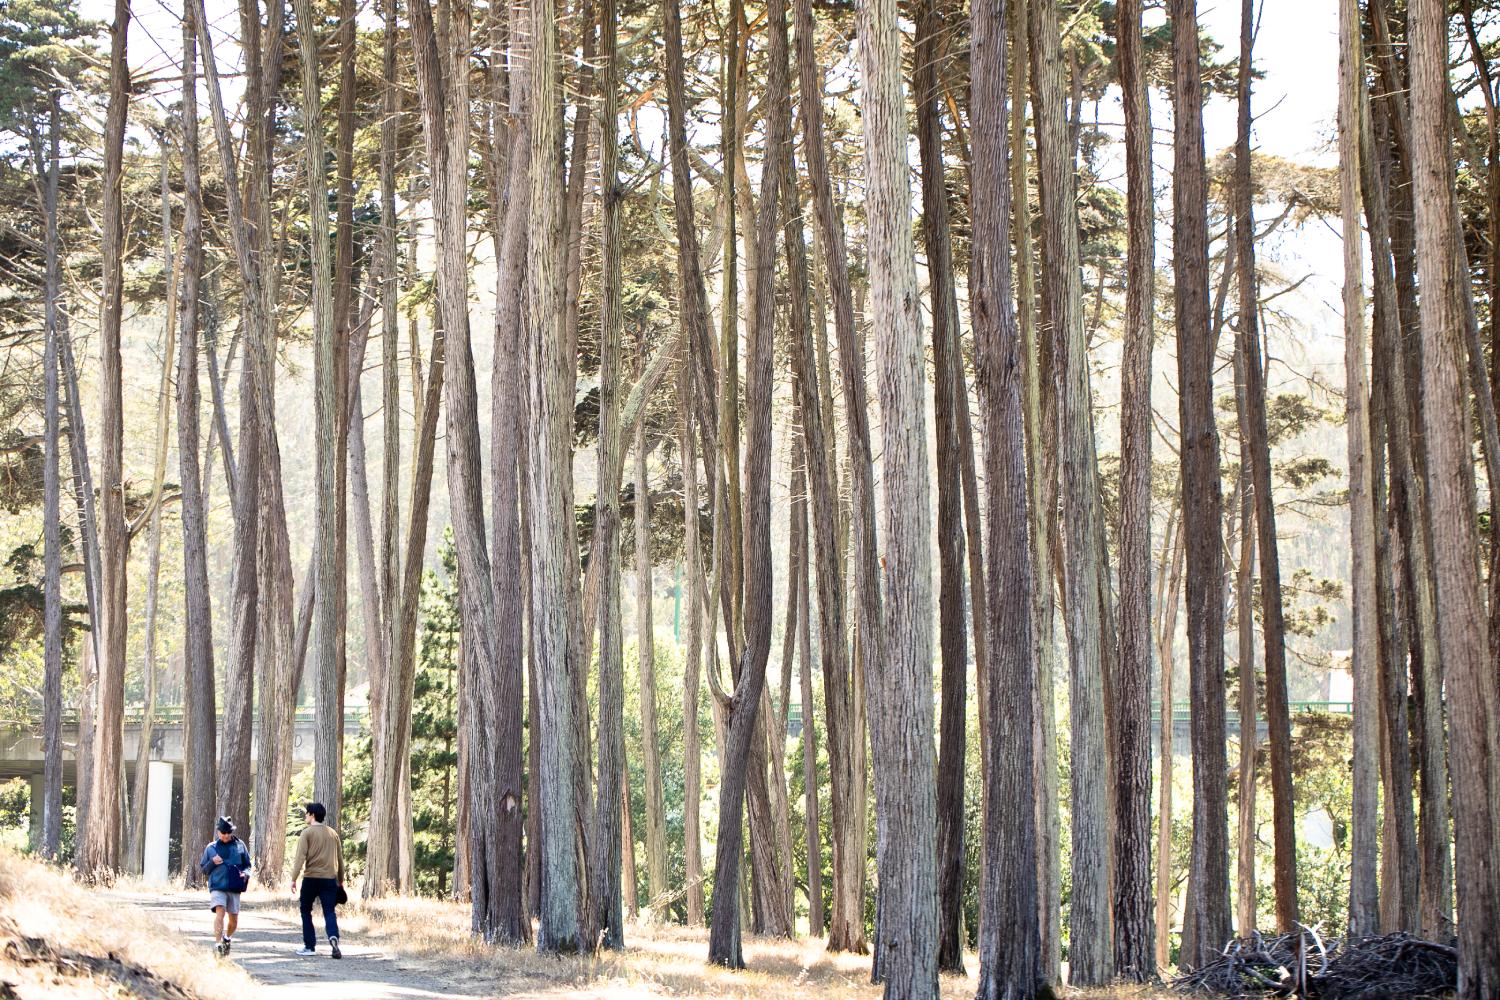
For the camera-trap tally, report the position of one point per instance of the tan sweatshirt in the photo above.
(318, 853)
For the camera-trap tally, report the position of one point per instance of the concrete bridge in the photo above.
(21, 757)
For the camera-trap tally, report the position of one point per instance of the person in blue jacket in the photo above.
(226, 862)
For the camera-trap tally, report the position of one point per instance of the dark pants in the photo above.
(324, 890)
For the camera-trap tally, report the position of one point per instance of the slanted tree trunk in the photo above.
(953, 644)
(1245, 662)
(1010, 959)
(843, 697)
(100, 849)
(742, 706)
(1134, 956)
(812, 837)
(1091, 955)
(1461, 626)
(1207, 923)
(50, 845)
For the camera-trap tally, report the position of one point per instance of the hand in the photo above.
(294, 887)
(218, 860)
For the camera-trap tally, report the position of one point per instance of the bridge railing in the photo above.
(172, 715)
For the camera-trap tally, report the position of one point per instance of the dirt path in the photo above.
(266, 943)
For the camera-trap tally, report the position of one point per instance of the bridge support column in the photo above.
(158, 821)
(37, 791)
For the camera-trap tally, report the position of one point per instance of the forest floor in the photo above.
(60, 939)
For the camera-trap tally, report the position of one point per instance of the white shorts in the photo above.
(229, 900)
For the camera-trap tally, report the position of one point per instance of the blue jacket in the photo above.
(224, 877)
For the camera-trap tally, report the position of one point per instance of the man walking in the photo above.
(227, 865)
(320, 863)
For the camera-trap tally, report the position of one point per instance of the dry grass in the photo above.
(659, 961)
(58, 939)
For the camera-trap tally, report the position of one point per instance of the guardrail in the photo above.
(172, 715)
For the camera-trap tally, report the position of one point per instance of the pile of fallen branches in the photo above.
(1395, 965)
(1301, 965)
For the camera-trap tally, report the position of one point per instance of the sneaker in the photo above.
(227, 944)
(305, 952)
(220, 948)
(334, 944)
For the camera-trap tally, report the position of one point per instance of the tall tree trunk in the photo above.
(390, 402)
(692, 756)
(742, 707)
(1208, 878)
(1461, 627)
(1168, 584)
(1039, 405)
(843, 698)
(552, 416)
(1278, 714)
(50, 845)
(606, 891)
(1011, 965)
(1245, 662)
(135, 859)
(1405, 497)
(198, 649)
(953, 644)
(698, 392)
(100, 851)
(1426, 663)
(1134, 955)
(329, 598)
(900, 689)
(656, 824)
(1091, 955)
(1363, 893)
(812, 836)
(1133, 912)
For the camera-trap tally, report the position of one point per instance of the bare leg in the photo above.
(234, 923)
(219, 923)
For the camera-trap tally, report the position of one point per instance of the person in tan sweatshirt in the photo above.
(319, 862)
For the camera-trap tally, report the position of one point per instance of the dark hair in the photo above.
(225, 825)
(317, 809)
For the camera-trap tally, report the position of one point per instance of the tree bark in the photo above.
(50, 845)
(742, 707)
(900, 689)
(605, 870)
(1091, 955)
(552, 413)
(953, 644)
(1404, 498)
(1208, 892)
(1461, 626)
(656, 829)
(1011, 965)
(844, 701)
(100, 849)
(1134, 933)
(1363, 893)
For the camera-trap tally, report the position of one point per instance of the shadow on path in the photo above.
(266, 944)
